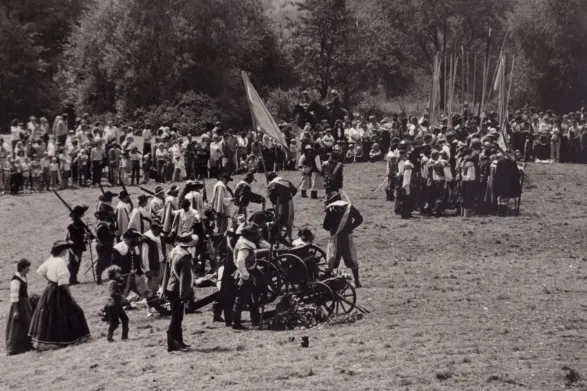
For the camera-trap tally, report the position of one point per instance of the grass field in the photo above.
(456, 304)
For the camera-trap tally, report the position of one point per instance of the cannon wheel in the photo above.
(319, 258)
(346, 299)
(293, 272)
(273, 282)
(321, 295)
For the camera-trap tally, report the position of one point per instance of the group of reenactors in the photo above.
(156, 248)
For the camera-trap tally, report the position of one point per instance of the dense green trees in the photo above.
(136, 58)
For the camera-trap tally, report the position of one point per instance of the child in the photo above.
(350, 156)
(305, 236)
(65, 168)
(146, 168)
(252, 163)
(82, 161)
(26, 176)
(54, 170)
(123, 168)
(135, 165)
(35, 174)
(358, 153)
(179, 169)
(17, 176)
(45, 171)
(7, 170)
(114, 309)
(375, 153)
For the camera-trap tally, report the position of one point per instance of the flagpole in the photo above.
(256, 128)
(485, 69)
(474, 84)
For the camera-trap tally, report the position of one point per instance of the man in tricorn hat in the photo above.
(104, 242)
(340, 221)
(281, 193)
(177, 285)
(76, 233)
(244, 195)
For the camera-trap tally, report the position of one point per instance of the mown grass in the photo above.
(456, 304)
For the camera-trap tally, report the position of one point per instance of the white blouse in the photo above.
(55, 270)
(15, 288)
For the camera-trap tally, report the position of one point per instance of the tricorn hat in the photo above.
(78, 210)
(173, 190)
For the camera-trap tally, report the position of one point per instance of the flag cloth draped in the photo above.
(262, 119)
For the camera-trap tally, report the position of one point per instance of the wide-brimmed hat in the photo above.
(61, 245)
(159, 190)
(78, 210)
(144, 197)
(306, 235)
(187, 239)
(123, 193)
(271, 176)
(131, 233)
(250, 176)
(107, 196)
(250, 231)
(225, 176)
(173, 190)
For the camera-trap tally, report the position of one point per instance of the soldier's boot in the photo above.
(181, 343)
(172, 344)
(124, 333)
(110, 337)
(304, 194)
(356, 277)
(236, 321)
(314, 195)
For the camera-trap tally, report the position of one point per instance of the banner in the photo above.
(262, 119)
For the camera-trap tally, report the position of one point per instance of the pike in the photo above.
(101, 188)
(129, 199)
(90, 234)
(147, 191)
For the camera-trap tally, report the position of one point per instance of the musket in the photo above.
(129, 199)
(147, 191)
(71, 210)
(101, 188)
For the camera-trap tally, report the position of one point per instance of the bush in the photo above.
(192, 112)
(371, 105)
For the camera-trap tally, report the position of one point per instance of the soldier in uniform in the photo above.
(76, 233)
(281, 193)
(332, 173)
(139, 218)
(243, 194)
(246, 265)
(104, 242)
(340, 221)
(311, 165)
(169, 211)
(156, 204)
(177, 285)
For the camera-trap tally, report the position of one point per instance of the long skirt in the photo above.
(17, 338)
(58, 320)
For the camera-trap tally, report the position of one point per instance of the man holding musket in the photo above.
(76, 233)
(243, 194)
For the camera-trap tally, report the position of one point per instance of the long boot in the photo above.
(124, 333)
(236, 321)
(172, 344)
(314, 194)
(110, 336)
(304, 194)
(181, 343)
(356, 277)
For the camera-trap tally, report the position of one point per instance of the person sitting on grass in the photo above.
(375, 153)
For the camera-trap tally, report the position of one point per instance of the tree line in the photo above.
(180, 60)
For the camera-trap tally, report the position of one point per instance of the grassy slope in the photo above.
(487, 303)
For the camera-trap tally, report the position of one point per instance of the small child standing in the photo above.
(54, 170)
(114, 309)
(146, 168)
(35, 174)
(26, 176)
(17, 176)
(46, 171)
(82, 163)
(123, 168)
(65, 169)
(7, 170)
(135, 165)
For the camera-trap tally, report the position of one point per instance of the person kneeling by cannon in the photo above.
(246, 265)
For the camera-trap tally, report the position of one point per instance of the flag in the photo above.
(500, 74)
(262, 119)
(502, 139)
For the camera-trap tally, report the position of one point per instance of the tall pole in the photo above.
(463, 87)
(485, 72)
(474, 83)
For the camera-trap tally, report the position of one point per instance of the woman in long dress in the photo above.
(19, 317)
(58, 321)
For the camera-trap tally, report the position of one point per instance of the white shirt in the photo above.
(15, 288)
(55, 270)
(145, 252)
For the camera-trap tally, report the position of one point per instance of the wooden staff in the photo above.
(485, 69)
(474, 82)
